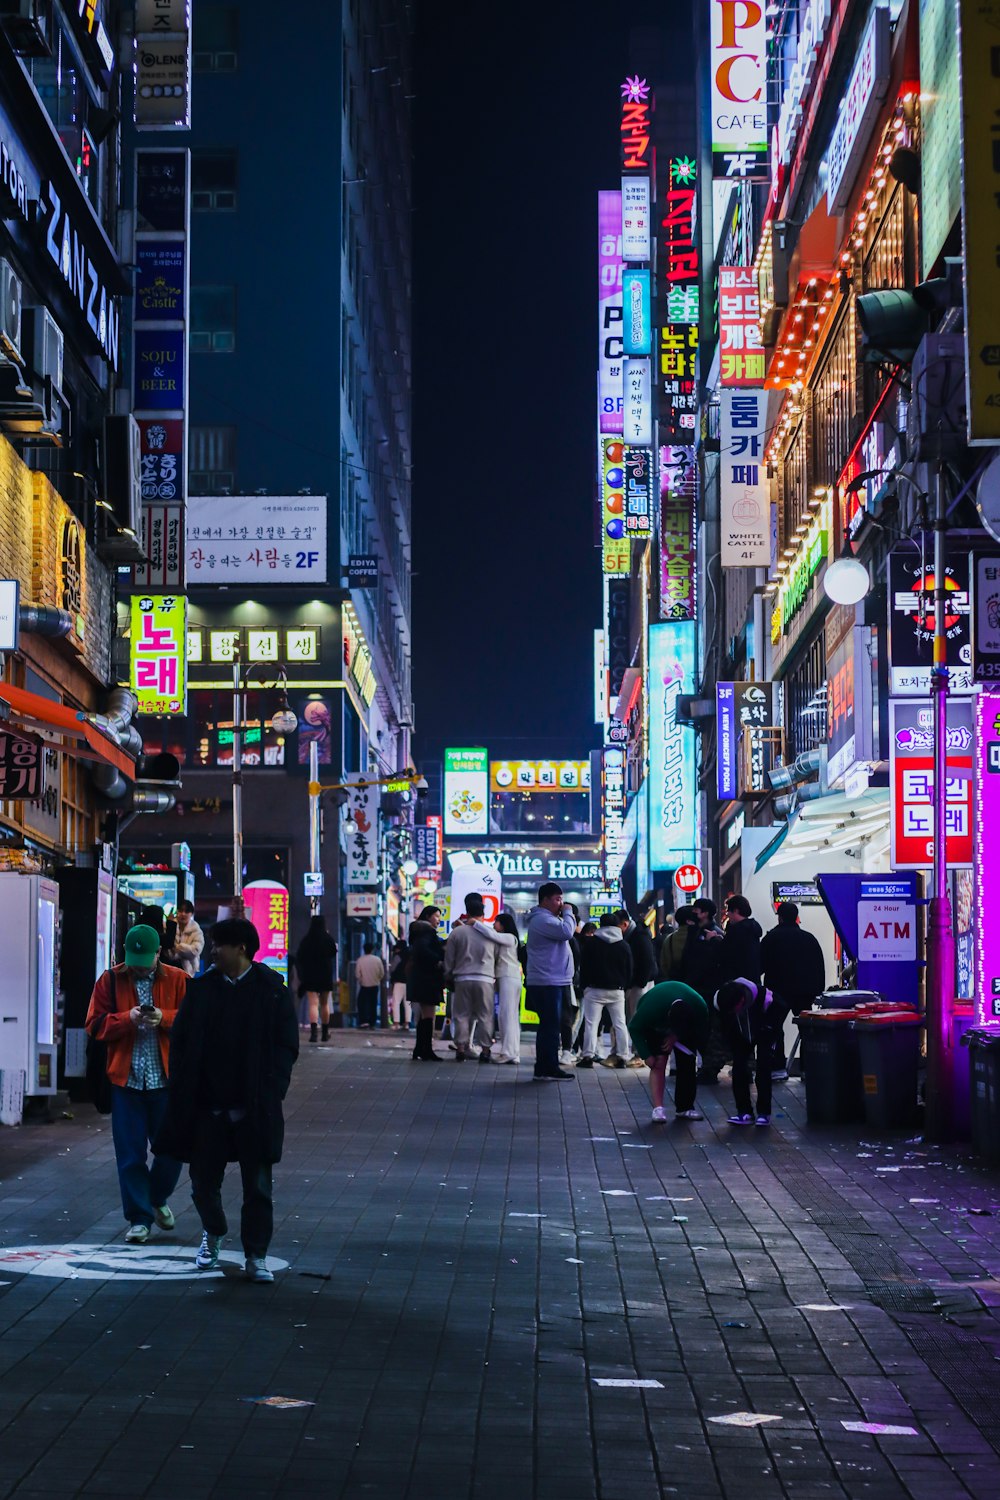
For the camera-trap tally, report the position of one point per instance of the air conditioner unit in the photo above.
(10, 313)
(936, 420)
(28, 26)
(123, 471)
(46, 347)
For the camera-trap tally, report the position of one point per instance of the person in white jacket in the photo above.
(510, 980)
(189, 942)
(470, 967)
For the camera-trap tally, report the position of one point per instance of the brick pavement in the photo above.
(470, 1255)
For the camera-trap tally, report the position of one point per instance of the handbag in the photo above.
(98, 1081)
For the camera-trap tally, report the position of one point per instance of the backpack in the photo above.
(98, 1081)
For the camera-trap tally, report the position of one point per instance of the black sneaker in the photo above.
(560, 1077)
(484, 1056)
(585, 1062)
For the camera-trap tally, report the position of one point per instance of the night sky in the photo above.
(515, 134)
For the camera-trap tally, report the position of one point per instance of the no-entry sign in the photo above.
(688, 878)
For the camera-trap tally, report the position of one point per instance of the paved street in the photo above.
(471, 1258)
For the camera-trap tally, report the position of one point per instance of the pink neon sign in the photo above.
(987, 868)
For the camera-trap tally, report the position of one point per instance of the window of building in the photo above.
(216, 38)
(213, 319)
(212, 460)
(213, 179)
(835, 401)
(805, 694)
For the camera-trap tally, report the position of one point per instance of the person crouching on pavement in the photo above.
(606, 973)
(744, 1008)
(234, 1044)
(132, 1010)
(672, 1017)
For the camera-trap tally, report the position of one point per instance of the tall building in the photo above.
(298, 558)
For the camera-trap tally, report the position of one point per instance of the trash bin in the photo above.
(889, 1045)
(983, 1043)
(832, 1067)
(848, 999)
(964, 1017)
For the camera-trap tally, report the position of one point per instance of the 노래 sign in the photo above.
(911, 779)
(158, 652)
(673, 783)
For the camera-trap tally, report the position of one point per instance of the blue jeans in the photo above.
(136, 1118)
(546, 1001)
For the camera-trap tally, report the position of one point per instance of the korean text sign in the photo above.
(678, 301)
(673, 782)
(362, 844)
(267, 907)
(741, 354)
(741, 708)
(911, 624)
(256, 539)
(746, 516)
(158, 652)
(911, 774)
(678, 501)
(615, 555)
(609, 312)
(987, 866)
(978, 32)
(466, 792)
(22, 767)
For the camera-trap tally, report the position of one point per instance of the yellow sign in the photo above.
(540, 776)
(979, 40)
(157, 652)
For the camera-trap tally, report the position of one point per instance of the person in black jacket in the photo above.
(644, 966)
(425, 980)
(315, 962)
(795, 973)
(232, 1050)
(606, 973)
(745, 1008)
(738, 957)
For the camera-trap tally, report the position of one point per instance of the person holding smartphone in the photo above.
(551, 926)
(132, 1010)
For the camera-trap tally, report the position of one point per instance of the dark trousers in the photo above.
(783, 1006)
(137, 1116)
(218, 1139)
(546, 1001)
(368, 1005)
(686, 1085)
(568, 1012)
(752, 1058)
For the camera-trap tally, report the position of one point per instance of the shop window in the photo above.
(210, 719)
(213, 319)
(214, 179)
(212, 460)
(835, 401)
(216, 39)
(805, 694)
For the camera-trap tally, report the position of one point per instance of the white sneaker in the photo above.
(137, 1234)
(659, 1115)
(208, 1256)
(164, 1216)
(257, 1269)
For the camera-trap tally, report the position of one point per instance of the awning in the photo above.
(828, 824)
(81, 738)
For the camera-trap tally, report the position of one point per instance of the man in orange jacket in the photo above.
(132, 1010)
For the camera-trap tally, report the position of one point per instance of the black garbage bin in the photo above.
(983, 1043)
(832, 1067)
(889, 1046)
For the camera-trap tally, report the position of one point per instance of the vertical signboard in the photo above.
(615, 558)
(636, 125)
(677, 301)
(911, 779)
(613, 851)
(986, 619)
(162, 64)
(636, 218)
(986, 864)
(466, 792)
(637, 417)
(940, 129)
(739, 90)
(609, 312)
(979, 63)
(673, 780)
(678, 506)
(638, 494)
(636, 314)
(266, 905)
(600, 679)
(742, 708)
(362, 844)
(859, 110)
(158, 653)
(911, 624)
(741, 354)
(745, 522)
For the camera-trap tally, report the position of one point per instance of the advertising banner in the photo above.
(161, 458)
(677, 301)
(979, 28)
(615, 554)
(986, 620)
(911, 779)
(22, 767)
(678, 516)
(158, 375)
(161, 196)
(911, 624)
(741, 353)
(163, 544)
(746, 528)
(256, 539)
(638, 494)
(940, 129)
(160, 282)
(266, 905)
(484, 879)
(427, 846)
(673, 780)
(739, 91)
(613, 850)
(158, 652)
(540, 776)
(163, 82)
(859, 110)
(637, 329)
(636, 125)
(609, 312)
(637, 426)
(362, 844)
(618, 642)
(741, 708)
(986, 865)
(636, 218)
(466, 792)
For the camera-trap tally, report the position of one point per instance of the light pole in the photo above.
(940, 994)
(283, 722)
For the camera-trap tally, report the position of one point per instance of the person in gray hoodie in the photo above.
(550, 969)
(470, 969)
(606, 973)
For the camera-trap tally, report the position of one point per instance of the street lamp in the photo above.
(283, 722)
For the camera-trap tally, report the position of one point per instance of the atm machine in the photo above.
(29, 912)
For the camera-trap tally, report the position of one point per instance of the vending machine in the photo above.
(29, 911)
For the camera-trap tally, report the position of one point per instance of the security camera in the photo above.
(422, 787)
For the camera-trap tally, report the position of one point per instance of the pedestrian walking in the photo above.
(425, 980)
(671, 1018)
(510, 983)
(794, 970)
(551, 925)
(315, 964)
(606, 973)
(189, 941)
(745, 1009)
(470, 969)
(675, 942)
(132, 1011)
(399, 1006)
(369, 971)
(234, 1044)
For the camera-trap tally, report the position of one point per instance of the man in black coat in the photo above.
(232, 1050)
(795, 973)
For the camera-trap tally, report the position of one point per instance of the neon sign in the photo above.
(987, 868)
(673, 783)
(636, 125)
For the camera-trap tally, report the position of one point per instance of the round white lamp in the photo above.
(846, 580)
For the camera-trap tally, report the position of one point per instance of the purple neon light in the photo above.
(987, 870)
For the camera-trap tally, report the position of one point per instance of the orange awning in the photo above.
(87, 742)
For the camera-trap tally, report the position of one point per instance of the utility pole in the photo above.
(237, 787)
(940, 994)
(315, 851)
